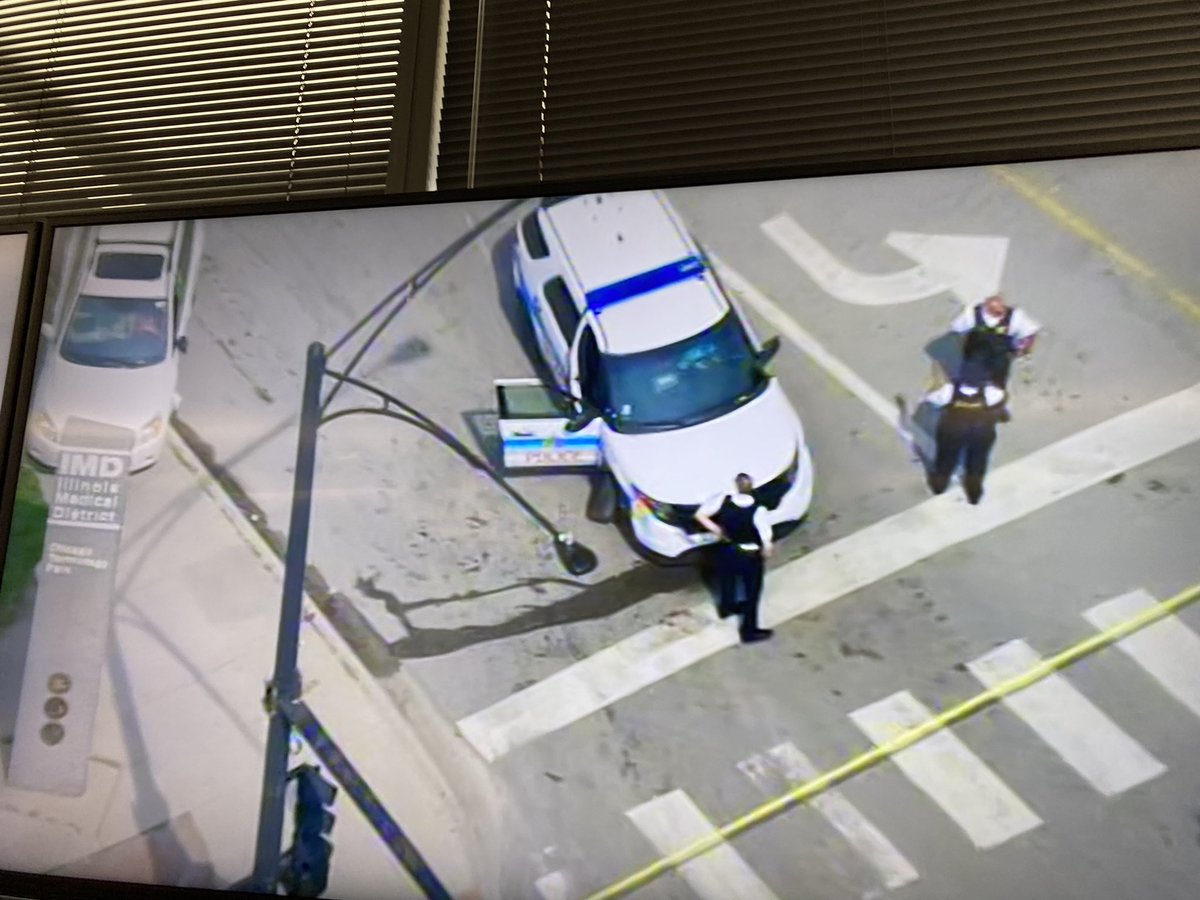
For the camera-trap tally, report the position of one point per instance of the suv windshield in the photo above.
(685, 383)
(114, 332)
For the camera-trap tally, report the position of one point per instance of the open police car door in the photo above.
(533, 429)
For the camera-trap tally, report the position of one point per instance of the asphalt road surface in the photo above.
(466, 594)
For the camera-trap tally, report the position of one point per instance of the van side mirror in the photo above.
(768, 350)
(581, 419)
(181, 343)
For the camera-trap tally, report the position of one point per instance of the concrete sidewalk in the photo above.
(176, 767)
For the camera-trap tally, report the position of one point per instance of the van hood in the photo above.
(687, 466)
(126, 398)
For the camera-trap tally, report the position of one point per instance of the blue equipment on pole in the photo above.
(306, 864)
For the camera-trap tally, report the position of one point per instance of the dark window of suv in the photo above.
(129, 266)
(592, 382)
(566, 313)
(535, 241)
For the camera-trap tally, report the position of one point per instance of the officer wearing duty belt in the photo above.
(740, 523)
(971, 407)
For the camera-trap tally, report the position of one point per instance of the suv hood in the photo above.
(127, 398)
(689, 465)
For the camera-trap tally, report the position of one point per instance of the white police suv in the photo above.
(655, 375)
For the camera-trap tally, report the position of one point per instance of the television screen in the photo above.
(637, 519)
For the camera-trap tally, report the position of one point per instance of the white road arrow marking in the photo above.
(967, 266)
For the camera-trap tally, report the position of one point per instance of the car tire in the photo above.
(603, 500)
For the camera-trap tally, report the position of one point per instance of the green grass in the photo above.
(25, 543)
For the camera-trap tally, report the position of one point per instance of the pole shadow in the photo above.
(170, 860)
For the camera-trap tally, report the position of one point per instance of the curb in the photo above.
(317, 623)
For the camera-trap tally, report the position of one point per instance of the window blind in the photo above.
(141, 103)
(639, 88)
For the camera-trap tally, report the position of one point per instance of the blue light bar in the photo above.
(644, 283)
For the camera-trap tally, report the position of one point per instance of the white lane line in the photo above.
(890, 865)
(945, 769)
(743, 290)
(1168, 650)
(1087, 739)
(837, 569)
(671, 822)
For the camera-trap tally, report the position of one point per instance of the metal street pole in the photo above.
(282, 700)
(285, 686)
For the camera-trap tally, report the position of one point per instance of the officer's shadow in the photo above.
(706, 568)
(945, 355)
(945, 352)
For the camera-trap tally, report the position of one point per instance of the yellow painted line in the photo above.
(1081, 227)
(907, 738)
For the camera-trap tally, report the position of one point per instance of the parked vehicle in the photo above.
(654, 376)
(113, 355)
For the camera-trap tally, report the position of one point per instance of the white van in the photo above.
(113, 354)
(654, 374)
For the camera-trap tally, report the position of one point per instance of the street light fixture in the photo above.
(284, 689)
(575, 557)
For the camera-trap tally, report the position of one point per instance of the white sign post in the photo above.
(72, 611)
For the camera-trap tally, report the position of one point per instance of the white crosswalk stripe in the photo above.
(942, 766)
(1168, 650)
(1087, 739)
(673, 821)
(871, 844)
(949, 773)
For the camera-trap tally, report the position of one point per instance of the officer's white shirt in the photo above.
(710, 507)
(992, 395)
(1021, 326)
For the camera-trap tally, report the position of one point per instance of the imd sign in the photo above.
(72, 611)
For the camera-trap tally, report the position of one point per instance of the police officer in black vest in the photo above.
(971, 407)
(995, 333)
(740, 522)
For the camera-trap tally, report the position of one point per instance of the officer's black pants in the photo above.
(954, 441)
(740, 571)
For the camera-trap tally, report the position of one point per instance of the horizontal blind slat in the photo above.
(151, 102)
(634, 88)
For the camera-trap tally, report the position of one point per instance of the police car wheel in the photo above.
(602, 502)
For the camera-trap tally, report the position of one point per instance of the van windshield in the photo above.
(116, 332)
(691, 381)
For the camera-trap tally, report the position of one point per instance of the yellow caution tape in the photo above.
(906, 738)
